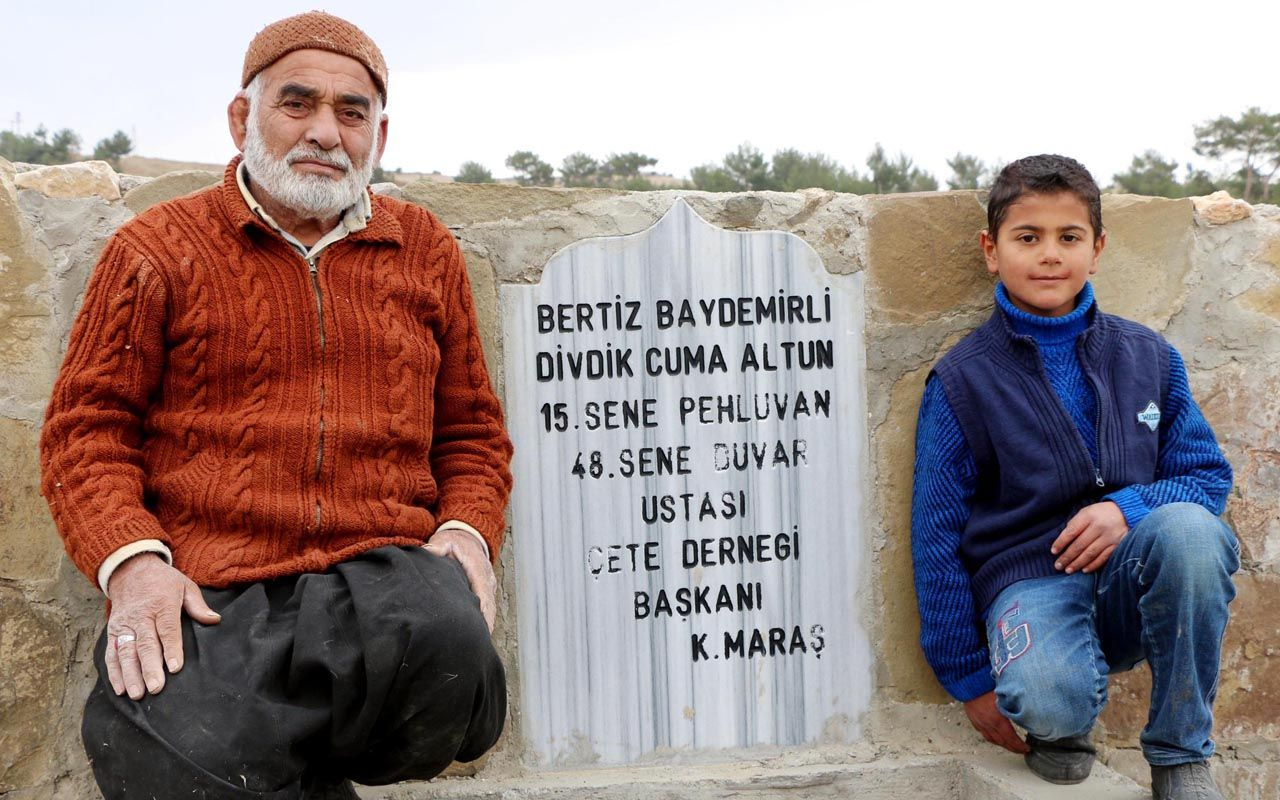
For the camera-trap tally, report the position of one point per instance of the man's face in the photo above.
(1044, 253)
(314, 133)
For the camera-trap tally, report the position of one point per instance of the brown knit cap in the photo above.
(318, 30)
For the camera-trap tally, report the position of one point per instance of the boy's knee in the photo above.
(1052, 707)
(1189, 540)
(1050, 716)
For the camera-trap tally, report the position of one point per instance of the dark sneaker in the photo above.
(1062, 761)
(1184, 782)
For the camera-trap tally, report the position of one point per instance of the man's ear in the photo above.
(988, 244)
(1098, 245)
(382, 139)
(238, 120)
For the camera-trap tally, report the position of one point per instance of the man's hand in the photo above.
(986, 718)
(463, 548)
(144, 630)
(1090, 538)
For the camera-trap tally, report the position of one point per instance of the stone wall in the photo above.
(1204, 272)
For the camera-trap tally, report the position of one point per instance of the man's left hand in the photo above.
(463, 548)
(1090, 538)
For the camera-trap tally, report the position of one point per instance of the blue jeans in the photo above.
(1162, 596)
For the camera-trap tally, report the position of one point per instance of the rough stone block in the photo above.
(1263, 301)
(1253, 510)
(82, 179)
(1249, 688)
(29, 544)
(1128, 699)
(24, 364)
(1145, 265)
(484, 293)
(1242, 403)
(12, 233)
(68, 236)
(908, 677)
(31, 685)
(1266, 299)
(167, 187)
(388, 189)
(467, 203)
(1220, 208)
(519, 248)
(923, 255)
(1248, 770)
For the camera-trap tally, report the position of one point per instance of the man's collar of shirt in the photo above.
(353, 219)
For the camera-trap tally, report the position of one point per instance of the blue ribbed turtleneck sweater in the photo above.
(1190, 469)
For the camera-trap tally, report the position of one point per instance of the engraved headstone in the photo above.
(688, 410)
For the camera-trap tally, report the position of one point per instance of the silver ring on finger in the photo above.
(125, 638)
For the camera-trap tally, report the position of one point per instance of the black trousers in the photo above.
(377, 671)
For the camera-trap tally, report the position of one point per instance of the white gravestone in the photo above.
(688, 410)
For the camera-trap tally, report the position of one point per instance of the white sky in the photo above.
(685, 82)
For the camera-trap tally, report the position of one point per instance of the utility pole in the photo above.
(17, 123)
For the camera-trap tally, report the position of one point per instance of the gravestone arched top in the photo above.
(687, 405)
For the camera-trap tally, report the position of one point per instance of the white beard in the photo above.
(309, 195)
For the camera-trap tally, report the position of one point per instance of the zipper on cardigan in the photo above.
(313, 268)
(1097, 415)
(1097, 422)
(1097, 430)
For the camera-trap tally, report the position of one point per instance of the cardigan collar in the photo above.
(380, 226)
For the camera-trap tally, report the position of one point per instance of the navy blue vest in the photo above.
(1034, 470)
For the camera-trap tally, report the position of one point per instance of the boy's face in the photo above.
(1044, 252)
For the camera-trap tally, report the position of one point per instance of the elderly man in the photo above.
(273, 396)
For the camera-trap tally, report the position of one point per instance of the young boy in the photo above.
(1066, 493)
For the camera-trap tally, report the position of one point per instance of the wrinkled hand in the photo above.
(1090, 538)
(463, 548)
(144, 630)
(995, 727)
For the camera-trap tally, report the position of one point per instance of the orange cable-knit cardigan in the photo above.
(263, 421)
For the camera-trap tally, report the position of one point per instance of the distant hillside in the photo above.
(155, 167)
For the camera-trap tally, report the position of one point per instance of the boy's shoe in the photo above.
(1184, 782)
(1062, 761)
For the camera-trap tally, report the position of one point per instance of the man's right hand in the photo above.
(144, 630)
(995, 727)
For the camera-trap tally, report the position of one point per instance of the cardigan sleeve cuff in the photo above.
(127, 552)
(1131, 504)
(486, 519)
(459, 525)
(972, 685)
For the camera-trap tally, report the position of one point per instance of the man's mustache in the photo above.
(334, 158)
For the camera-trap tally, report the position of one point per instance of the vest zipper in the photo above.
(1097, 410)
(1097, 431)
(1097, 415)
(314, 269)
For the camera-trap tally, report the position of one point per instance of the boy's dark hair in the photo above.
(1043, 174)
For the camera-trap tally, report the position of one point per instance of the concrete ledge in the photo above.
(989, 776)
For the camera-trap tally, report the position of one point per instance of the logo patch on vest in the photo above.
(1150, 416)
